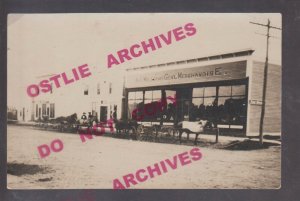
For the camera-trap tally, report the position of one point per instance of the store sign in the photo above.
(255, 102)
(218, 72)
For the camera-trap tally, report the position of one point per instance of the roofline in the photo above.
(247, 52)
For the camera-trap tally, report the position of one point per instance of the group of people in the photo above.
(88, 120)
(93, 119)
(232, 111)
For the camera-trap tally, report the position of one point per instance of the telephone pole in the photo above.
(262, 116)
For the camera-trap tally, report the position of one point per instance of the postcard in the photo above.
(144, 101)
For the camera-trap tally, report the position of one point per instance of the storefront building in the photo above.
(223, 89)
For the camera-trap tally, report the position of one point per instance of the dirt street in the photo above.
(95, 163)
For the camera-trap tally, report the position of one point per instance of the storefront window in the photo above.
(203, 103)
(198, 92)
(228, 107)
(148, 97)
(145, 105)
(224, 90)
(238, 90)
(232, 105)
(210, 91)
(156, 95)
(217, 104)
(151, 111)
(135, 100)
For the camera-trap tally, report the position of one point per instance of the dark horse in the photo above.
(126, 126)
(68, 123)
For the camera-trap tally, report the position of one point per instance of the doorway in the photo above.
(103, 113)
(23, 114)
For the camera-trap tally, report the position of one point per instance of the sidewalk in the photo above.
(227, 139)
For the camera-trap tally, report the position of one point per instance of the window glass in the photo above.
(198, 92)
(156, 95)
(197, 109)
(197, 101)
(148, 95)
(148, 101)
(131, 95)
(36, 110)
(209, 101)
(131, 106)
(86, 90)
(170, 93)
(139, 95)
(238, 90)
(221, 100)
(52, 110)
(110, 88)
(210, 91)
(225, 91)
(44, 109)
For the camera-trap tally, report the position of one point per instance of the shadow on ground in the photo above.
(19, 169)
(247, 145)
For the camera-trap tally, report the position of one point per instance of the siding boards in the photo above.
(272, 121)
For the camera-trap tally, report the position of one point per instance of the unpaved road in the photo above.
(95, 163)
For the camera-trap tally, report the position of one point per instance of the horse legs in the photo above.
(196, 138)
(180, 134)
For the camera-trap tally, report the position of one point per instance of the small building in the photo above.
(225, 89)
(100, 95)
(12, 114)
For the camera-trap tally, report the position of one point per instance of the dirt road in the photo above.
(95, 163)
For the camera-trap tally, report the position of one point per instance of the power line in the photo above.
(262, 116)
(266, 25)
(266, 35)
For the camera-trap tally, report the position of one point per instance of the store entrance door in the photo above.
(184, 102)
(103, 113)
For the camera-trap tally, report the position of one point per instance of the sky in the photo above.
(40, 45)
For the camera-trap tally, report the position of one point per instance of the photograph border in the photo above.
(290, 160)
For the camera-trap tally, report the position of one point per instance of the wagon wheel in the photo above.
(155, 132)
(175, 134)
(147, 133)
(151, 133)
(140, 132)
(171, 132)
(61, 128)
(132, 131)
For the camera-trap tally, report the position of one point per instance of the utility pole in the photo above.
(265, 79)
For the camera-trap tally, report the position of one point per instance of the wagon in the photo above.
(126, 126)
(155, 132)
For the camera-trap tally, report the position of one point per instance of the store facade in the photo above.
(219, 89)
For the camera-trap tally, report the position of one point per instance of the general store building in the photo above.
(225, 89)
